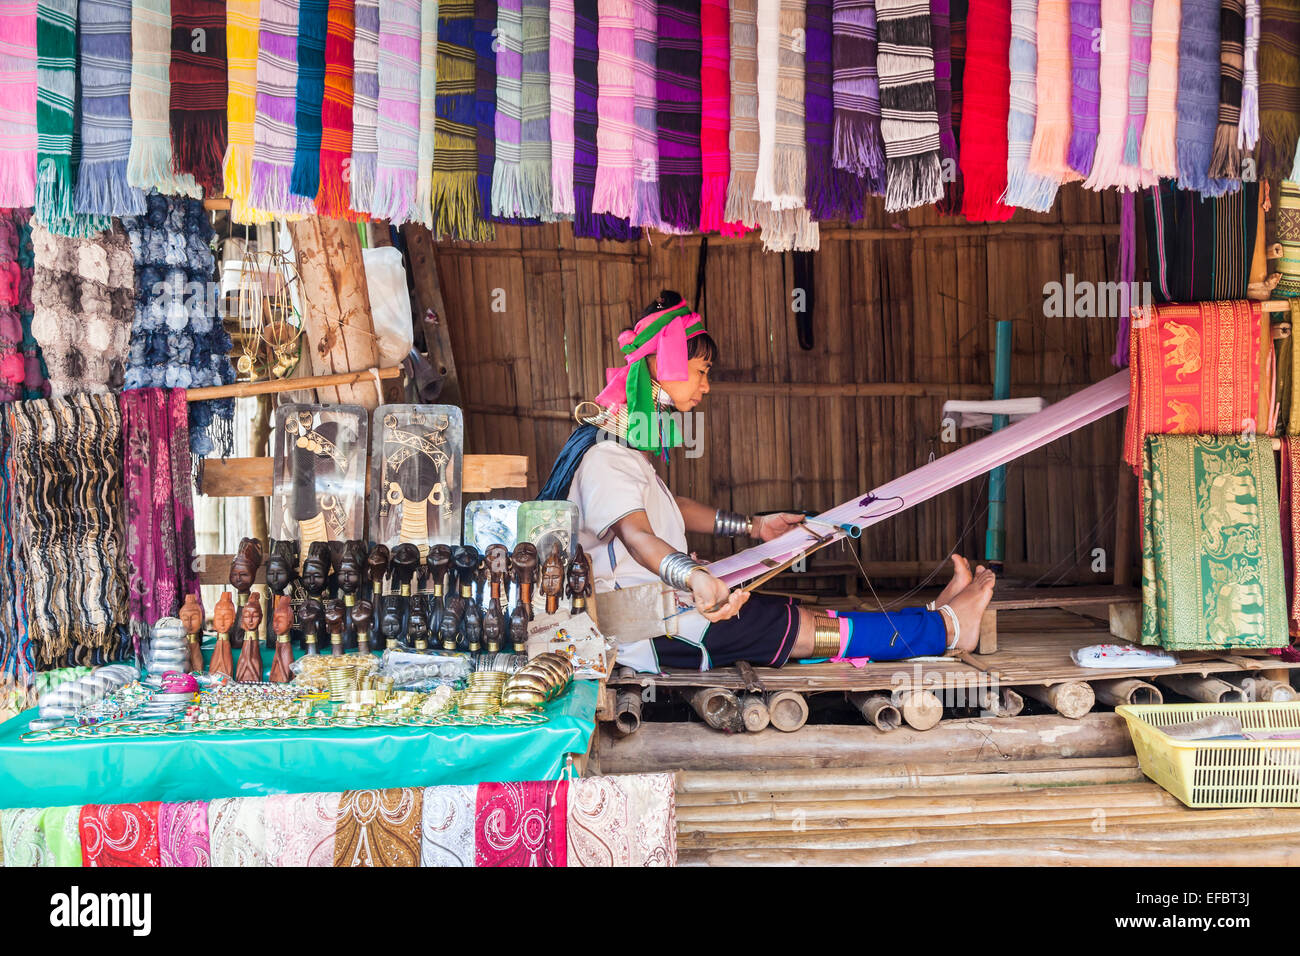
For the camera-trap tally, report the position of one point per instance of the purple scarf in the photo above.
(856, 93)
(830, 193)
(586, 14)
(1085, 95)
(160, 542)
(677, 87)
(941, 36)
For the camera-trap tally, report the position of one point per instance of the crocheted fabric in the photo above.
(177, 340)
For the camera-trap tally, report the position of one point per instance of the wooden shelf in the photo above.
(251, 477)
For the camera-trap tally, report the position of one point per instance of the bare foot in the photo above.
(961, 577)
(969, 606)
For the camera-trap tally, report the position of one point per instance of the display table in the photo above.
(208, 766)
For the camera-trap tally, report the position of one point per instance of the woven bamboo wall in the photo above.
(903, 311)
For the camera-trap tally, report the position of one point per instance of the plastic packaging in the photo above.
(545, 523)
(390, 303)
(66, 699)
(415, 485)
(319, 490)
(166, 649)
(494, 521)
(410, 670)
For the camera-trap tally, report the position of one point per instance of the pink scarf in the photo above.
(1159, 149)
(18, 104)
(662, 334)
(1052, 128)
(562, 93)
(715, 120)
(1108, 166)
(615, 110)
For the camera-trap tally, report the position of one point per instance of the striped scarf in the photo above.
(586, 92)
(715, 95)
(1139, 66)
(562, 95)
(241, 105)
(1025, 189)
(950, 204)
(941, 35)
(336, 113)
(743, 116)
(428, 111)
(313, 23)
(831, 193)
(274, 132)
(198, 90)
(1199, 249)
(1198, 95)
(535, 130)
(909, 123)
(1279, 86)
(150, 163)
(18, 104)
(1085, 92)
(1248, 130)
(105, 34)
(365, 104)
(457, 213)
(1047, 154)
(780, 182)
(856, 92)
(397, 168)
(1159, 136)
(1225, 160)
(616, 107)
(1108, 166)
(1288, 236)
(56, 96)
(507, 187)
(485, 107)
(677, 87)
(984, 134)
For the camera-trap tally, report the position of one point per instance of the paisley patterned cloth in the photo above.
(183, 834)
(447, 828)
(237, 830)
(1196, 369)
(35, 837)
(1211, 544)
(623, 821)
(521, 824)
(300, 829)
(120, 834)
(378, 828)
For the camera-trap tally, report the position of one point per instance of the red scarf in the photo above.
(522, 824)
(120, 834)
(334, 198)
(198, 91)
(986, 101)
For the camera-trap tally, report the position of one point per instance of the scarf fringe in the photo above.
(150, 167)
(53, 197)
(237, 171)
(1109, 170)
(394, 191)
(1248, 130)
(304, 180)
(198, 146)
(562, 201)
(456, 210)
(789, 177)
(679, 202)
(1277, 141)
(913, 181)
(535, 187)
(507, 190)
(1029, 190)
(982, 198)
(1047, 153)
(270, 191)
(713, 202)
(856, 149)
(645, 204)
(1159, 147)
(17, 180)
(102, 190)
(789, 230)
(740, 205)
(1225, 161)
(363, 181)
(333, 199)
(1295, 169)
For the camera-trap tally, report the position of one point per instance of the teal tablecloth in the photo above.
(257, 763)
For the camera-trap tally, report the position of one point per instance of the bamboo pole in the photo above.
(627, 712)
(1070, 698)
(788, 710)
(1209, 690)
(274, 387)
(754, 713)
(920, 708)
(878, 709)
(1016, 816)
(1129, 690)
(1268, 691)
(718, 707)
(1003, 702)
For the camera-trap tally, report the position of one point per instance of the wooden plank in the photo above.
(251, 477)
(431, 309)
(276, 386)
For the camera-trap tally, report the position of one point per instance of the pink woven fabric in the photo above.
(18, 104)
(715, 117)
(615, 109)
(561, 67)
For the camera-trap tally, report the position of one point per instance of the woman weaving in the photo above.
(634, 528)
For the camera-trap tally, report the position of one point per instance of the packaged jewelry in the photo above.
(415, 485)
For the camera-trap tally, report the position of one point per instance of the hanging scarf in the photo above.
(120, 834)
(1127, 276)
(1024, 188)
(1139, 67)
(49, 837)
(562, 99)
(678, 90)
(507, 188)
(1279, 86)
(56, 96)
(18, 104)
(447, 827)
(624, 820)
(1211, 544)
(663, 334)
(1196, 369)
(378, 828)
(855, 90)
(1225, 160)
(585, 129)
(105, 35)
(485, 107)
(15, 305)
(1198, 94)
(237, 831)
(183, 834)
(1085, 91)
(743, 117)
(1047, 153)
(160, 545)
(150, 163)
(715, 104)
(301, 829)
(336, 113)
(1288, 236)
(365, 104)
(941, 34)
(241, 105)
(987, 92)
(197, 75)
(1159, 136)
(274, 132)
(1248, 129)
(428, 111)
(909, 124)
(616, 106)
(521, 824)
(1198, 249)
(950, 204)
(535, 131)
(396, 169)
(1108, 166)
(313, 22)
(456, 210)
(831, 193)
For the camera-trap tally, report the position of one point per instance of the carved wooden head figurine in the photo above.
(282, 619)
(223, 615)
(438, 561)
(311, 615)
(335, 618)
(243, 569)
(351, 568)
(191, 614)
(279, 572)
(417, 625)
(553, 578)
(404, 559)
(390, 621)
(494, 628)
(315, 575)
(251, 618)
(579, 583)
(362, 616)
(378, 565)
(466, 561)
(497, 558)
(524, 563)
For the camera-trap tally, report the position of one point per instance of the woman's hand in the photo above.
(709, 591)
(767, 527)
